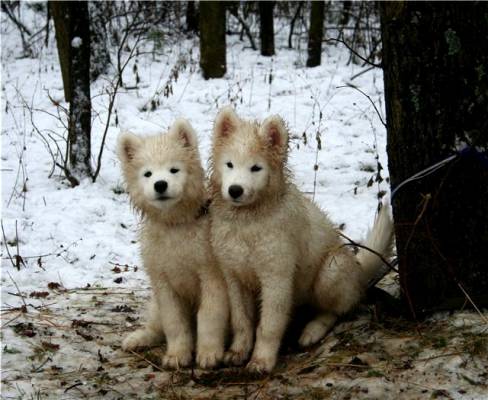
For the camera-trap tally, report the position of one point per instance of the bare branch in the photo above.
(235, 13)
(18, 24)
(379, 255)
(18, 290)
(355, 52)
(368, 97)
(6, 247)
(113, 95)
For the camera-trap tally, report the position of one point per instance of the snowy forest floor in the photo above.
(68, 347)
(72, 281)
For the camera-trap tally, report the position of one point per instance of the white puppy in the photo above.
(165, 181)
(276, 248)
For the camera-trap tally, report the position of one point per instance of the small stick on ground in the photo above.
(18, 290)
(6, 246)
(73, 386)
(473, 304)
(146, 360)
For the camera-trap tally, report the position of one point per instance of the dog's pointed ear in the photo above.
(274, 131)
(184, 132)
(226, 122)
(127, 147)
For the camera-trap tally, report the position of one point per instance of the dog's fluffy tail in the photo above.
(379, 239)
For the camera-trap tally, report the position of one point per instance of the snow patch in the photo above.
(76, 42)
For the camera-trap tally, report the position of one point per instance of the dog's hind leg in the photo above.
(142, 338)
(242, 321)
(212, 319)
(317, 328)
(150, 335)
(336, 291)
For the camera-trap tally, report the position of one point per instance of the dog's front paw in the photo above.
(239, 351)
(209, 358)
(138, 340)
(176, 360)
(261, 365)
(235, 358)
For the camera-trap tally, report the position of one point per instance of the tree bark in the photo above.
(435, 59)
(315, 33)
(61, 17)
(212, 39)
(266, 32)
(79, 143)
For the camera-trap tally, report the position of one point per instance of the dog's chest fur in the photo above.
(236, 247)
(178, 254)
(295, 231)
(247, 245)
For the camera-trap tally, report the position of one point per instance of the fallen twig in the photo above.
(73, 386)
(18, 290)
(473, 304)
(6, 246)
(146, 360)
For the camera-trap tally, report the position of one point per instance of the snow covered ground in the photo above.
(76, 248)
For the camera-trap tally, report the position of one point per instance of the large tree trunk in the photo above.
(80, 105)
(315, 33)
(266, 32)
(212, 39)
(61, 17)
(435, 58)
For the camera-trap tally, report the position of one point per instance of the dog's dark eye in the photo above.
(256, 168)
(147, 174)
(230, 165)
(174, 170)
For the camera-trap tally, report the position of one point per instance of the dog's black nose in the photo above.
(160, 186)
(235, 191)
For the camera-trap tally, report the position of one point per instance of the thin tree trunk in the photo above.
(234, 10)
(100, 55)
(266, 32)
(80, 106)
(292, 23)
(191, 17)
(346, 12)
(212, 39)
(315, 33)
(48, 19)
(435, 59)
(61, 16)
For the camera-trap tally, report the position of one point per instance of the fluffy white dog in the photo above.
(165, 181)
(276, 248)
